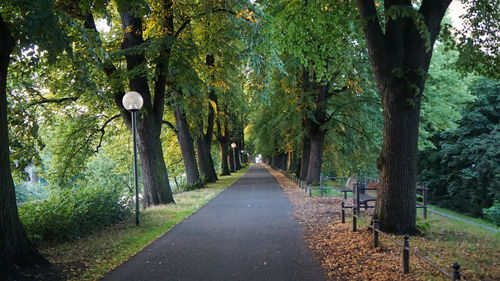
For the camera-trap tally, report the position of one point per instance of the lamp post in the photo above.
(233, 145)
(242, 158)
(132, 101)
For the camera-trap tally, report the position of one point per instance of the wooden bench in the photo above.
(347, 187)
(361, 198)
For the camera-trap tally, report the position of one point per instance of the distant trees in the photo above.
(463, 168)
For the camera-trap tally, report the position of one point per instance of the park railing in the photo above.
(406, 250)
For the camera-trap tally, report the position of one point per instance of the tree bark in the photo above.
(154, 172)
(400, 58)
(15, 247)
(317, 139)
(304, 162)
(224, 143)
(186, 144)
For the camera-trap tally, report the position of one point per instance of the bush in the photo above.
(72, 213)
(200, 183)
(493, 213)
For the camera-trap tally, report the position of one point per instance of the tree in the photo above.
(15, 247)
(463, 168)
(400, 51)
(327, 50)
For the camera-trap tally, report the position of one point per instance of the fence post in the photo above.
(456, 272)
(358, 205)
(425, 200)
(406, 254)
(375, 233)
(343, 212)
(354, 218)
(320, 185)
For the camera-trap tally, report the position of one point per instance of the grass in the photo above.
(476, 220)
(447, 240)
(89, 258)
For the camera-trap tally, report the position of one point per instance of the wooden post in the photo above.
(354, 218)
(375, 233)
(310, 190)
(456, 272)
(406, 254)
(343, 212)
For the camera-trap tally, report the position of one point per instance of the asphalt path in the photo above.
(246, 233)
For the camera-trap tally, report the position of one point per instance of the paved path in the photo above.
(464, 220)
(246, 233)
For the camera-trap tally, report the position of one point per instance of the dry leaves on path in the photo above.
(343, 254)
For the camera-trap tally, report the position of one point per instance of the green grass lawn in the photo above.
(89, 258)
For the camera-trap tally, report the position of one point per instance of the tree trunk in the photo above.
(316, 155)
(15, 247)
(304, 162)
(204, 144)
(154, 172)
(400, 56)
(231, 160)
(205, 161)
(186, 144)
(224, 153)
(398, 160)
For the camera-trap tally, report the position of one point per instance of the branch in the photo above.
(373, 32)
(170, 125)
(102, 130)
(188, 21)
(337, 91)
(433, 12)
(61, 100)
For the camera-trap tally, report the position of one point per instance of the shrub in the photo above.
(493, 213)
(72, 213)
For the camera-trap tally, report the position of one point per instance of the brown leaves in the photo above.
(343, 254)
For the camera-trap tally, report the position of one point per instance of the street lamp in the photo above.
(132, 101)
(233, 145)
(242, 158)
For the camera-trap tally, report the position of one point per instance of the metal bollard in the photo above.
(425, 201)
(456, 272)
(354, 220)
(375, 233)
(406, 254)
(342, 212)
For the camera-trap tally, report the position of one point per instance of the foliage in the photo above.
(72, 213)
(478, 40)
(445, 96)
(493, 213)
(463, 171)
(30, 191)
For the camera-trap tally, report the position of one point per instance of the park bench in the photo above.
(361, 198)
(344, 188)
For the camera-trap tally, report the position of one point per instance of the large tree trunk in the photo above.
(316, 155)
(205, 161)
(400, 56)
(186, 144)
(15, 247)
(398, 162)
(224, 155)
(154, 172)
(304, 161)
